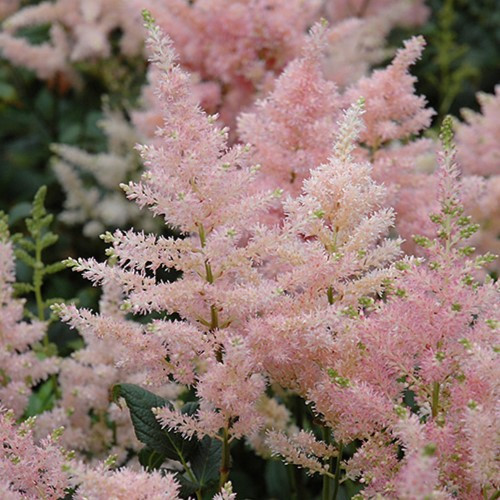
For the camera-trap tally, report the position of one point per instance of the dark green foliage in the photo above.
(277, 482)
(150, 459)
(205, 461)
(200, 459)
(461, 57)
(140, 402)
(43, 398)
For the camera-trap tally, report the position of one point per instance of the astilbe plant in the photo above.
(477, 146)
(201, 186)
(95, 427)
(228, 77)
(330, 256)
(28, 356)
(233, 49)
(395, 117)
(334, 263)
(478, 185)
(32, 470)
(395, 358)
(293, 128)
(419, 374)
(239, 279)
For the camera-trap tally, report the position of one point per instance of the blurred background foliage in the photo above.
(461, 57)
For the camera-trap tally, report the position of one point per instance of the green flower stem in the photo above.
(329, 294)
(336, 484)
(38, 281)
(435, 399)
(327, 481)
(190, 474)
(226, 459)
(292, 479)
(209, 276)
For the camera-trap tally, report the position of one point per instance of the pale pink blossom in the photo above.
(301, 450)
(435, 337)
(393, 111)
(293, 128)
(232, 47)
(477, 138)
(100, 483)
(33, 471)
(478, 152)
(226, 493)
(409, 12)
(199, 184)
(7, 7)
(94, 425)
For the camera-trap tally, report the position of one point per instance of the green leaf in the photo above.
(43, 399)
(277, 482)
(71, 134)
(206, 460)
(150, 459)
(54, 268)
(48, 239)
(140, 402)
(23, 288)
(190, 408)
(38, 209)
(25, 257)
(187, 486)
(24, 243)
(7, 92)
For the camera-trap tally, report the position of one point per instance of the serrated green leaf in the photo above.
(150, 459)
(38, 209)
(46, 220)
(206, 461)
(187, 486)
(190, 408)
(276, 477)
(140, 402)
